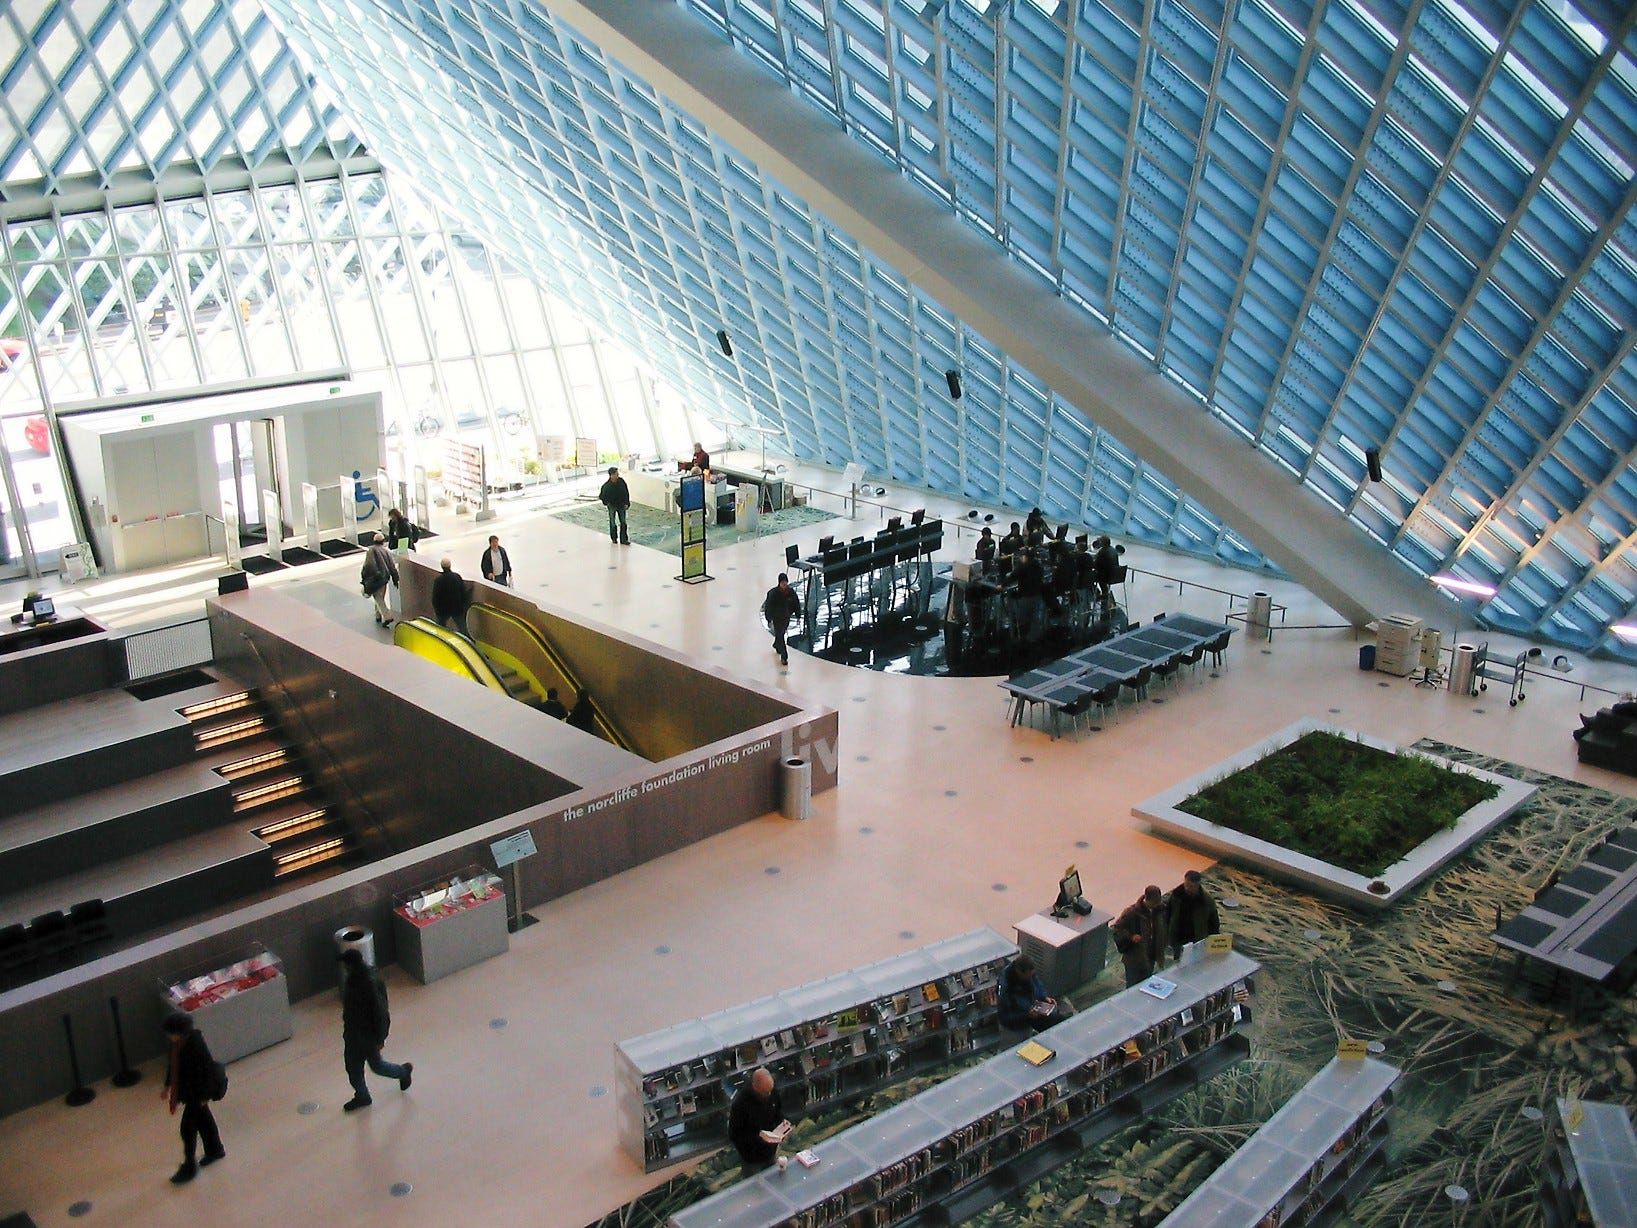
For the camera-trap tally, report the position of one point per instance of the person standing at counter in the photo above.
(780, 606)
(191, 1082)
(365, 1021)
(1139, 936)
(1190, 913)
(615, 495)
(984, 552)
(757, 1111)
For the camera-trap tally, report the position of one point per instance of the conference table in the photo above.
(1059, 684)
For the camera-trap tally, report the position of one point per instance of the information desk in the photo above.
(1592, 1178)
(43, 662)
(1067, 951)
(240, 1006)
(450, 923)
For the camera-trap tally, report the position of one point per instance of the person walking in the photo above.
(191, 1083)
(450, 598)
(497, 564)
(1190, 913)
(1139, 936)
(380, 569)
(554, 705)
(780, 606)
(584, 716)
(402, 534)
(365, 1021)
(616, 497)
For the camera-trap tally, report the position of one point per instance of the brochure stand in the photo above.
(450, 923)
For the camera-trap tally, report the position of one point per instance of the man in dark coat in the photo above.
(190, 1078)
(365, 1021)
(1025, 1003)
(756, 1108)
(780, 606)
(1139, 936)
(450, 599)
(1190, 913)
(554, 705)
(584, 716)
(616, 497)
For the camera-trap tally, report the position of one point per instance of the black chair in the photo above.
(14, 952)
(918, 515)
(1138, 686)
(825, 543)
(88, 920)
(1216, 648)
(49, 934)
(1192, 659)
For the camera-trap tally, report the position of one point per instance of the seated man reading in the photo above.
(1024, 1002)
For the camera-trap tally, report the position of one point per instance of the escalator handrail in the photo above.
(613, 732)
(481, 671)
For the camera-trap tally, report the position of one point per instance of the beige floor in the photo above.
(945, 819)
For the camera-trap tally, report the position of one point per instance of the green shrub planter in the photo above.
(1350, 816)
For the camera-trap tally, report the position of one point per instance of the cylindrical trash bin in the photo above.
(1462, 675)
(796, 789)
(356, 938)
(1260, 618)
(1366, 656)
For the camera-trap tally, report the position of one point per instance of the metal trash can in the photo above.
(356, 938)
(796, 789)
(1367, 657)
(1462, 671)
(1259, 621)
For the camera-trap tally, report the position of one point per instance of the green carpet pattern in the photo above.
(1474, 1056)
(660, 531)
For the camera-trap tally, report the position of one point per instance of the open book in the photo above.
(777, 1134)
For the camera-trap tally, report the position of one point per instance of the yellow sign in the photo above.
(1575, 1117)
(1218, 944)
(1352, 1050)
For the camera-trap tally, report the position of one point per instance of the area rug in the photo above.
(660, 531)
(1423, 978)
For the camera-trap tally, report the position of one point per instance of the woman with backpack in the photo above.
(379, 570)
(192, 1080)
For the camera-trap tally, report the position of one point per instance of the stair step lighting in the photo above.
(243, 767)
(325, 851)
(222, 703)
(294, 825)
(254, 796)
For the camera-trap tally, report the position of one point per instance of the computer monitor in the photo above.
(1069, 894)
(44, 608)
(791, 554)
(894, 524)
(1063, 532)
(918, 515)
(825, 543)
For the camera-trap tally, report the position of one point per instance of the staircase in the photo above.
(514, 683)
(241, 740)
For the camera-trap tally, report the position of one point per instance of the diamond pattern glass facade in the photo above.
(1402, 224)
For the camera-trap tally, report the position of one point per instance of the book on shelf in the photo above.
(1036, 1054)
(770, 1045)
(807, 1158)
(929, 991)
(1158, 987)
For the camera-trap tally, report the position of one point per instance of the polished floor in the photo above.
(946, 818)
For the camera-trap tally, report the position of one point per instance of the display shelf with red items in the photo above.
(240, 1004)
(450, 923)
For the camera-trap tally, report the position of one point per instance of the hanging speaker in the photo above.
(722, 340)
(953, 378)
(1372, 462)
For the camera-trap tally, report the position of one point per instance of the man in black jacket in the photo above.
(780, 606)
(1190, 913)
(756, 1109)
(190, 1078)
(450, 599)
(365, 1021)
(584, 716)
(616, 497)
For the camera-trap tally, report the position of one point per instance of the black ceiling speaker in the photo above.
(953, 378)
(1372, 462)
(722, 340)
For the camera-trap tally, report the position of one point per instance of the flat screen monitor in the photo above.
(825, 543)
(918, 515)
(894, 524)
(1068, 889)
(44, 608)
(834, 555)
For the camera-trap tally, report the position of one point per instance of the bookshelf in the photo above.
(1591, 1175)
(977, 1137)
(1309, 1161)
(827, 1043)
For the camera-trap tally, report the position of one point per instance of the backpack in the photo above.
(218, 1081)
(369, 576)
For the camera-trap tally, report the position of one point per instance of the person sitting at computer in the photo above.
(1034, 522)
(1013, 541)
(985, 550)
(1024, 1002)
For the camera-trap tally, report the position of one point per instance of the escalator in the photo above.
(513, 644)
(449, 651)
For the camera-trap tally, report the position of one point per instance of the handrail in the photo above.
(466, 653)
(611, 731)
(314, 738)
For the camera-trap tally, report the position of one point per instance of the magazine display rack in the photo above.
(979, 1136)
(828, 1042)
(450, 923)
(240, 1005)
(1312, 1158)
(1591, 1176)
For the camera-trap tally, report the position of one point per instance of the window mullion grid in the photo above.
(1545, 320)
(1253, 236)
(66, 114)
(1064, 145)
(1527, 471)
(455, 258)
(757, 312)
(1617, 552)
(1439, 179)
(1122, 208)
(110, 96)
(1355, 172)
(1185, 219)
(161, 87)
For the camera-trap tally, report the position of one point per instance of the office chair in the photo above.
(918, 515)
(49, 933)
(894, 524)
(88, 921)
(825, 543)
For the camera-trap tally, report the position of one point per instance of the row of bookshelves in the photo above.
(1306, 1161)
(834, 1040)
(966, 1142)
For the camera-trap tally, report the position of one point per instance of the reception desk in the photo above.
(43, 662)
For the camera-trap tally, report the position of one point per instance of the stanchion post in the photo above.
(128, 1075)
(81, 1094)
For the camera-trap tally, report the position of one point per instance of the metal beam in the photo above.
(972, 276)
